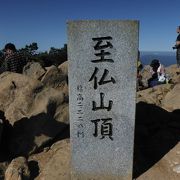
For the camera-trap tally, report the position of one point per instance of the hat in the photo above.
(154, 62)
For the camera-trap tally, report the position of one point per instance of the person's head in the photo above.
(9, 48)
(155, 64)
(178, 29)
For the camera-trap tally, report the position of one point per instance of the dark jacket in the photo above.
(14, 63)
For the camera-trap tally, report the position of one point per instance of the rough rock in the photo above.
(34, 70)
(174, 73)
(22, 96)
(3, 167)
(146, 72)
(37, 113)
(39, 116)
(171, 101)
(64, 67)
(154, 95)
(157, 147)
(176, 168)
(55, 78)
(168, 168)
(30, 135)
(53, 163)
(17, 95)
(18, 170)
(157, 151)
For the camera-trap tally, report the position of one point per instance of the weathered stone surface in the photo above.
(31, 134)
(64, 84)
(3, 167)
(53, 77)
(17, 94)
(176, 168)
(171, 101)
(154, 95)
(174, 73)
(54, 164)
(145, 73)
(56, 78)
(167, 168)
(18, 170)
(34, 70)
(64, 67)
(92, 155)
(37, 113)
(156, 143)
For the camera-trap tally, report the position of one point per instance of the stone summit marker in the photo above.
(102, 91)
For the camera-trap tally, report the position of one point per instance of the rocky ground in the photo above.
(157, 135)
(34, 126)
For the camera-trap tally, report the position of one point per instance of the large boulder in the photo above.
(34, 70)
(56, 78)
(154, 95)
(64, 67)
(146, 72)
(168, 168)
(171, 101)
(3, 167)
(37, 113)
(53, 163)
(174, 73)
(18, 170)
(156, 147)
(17, 95)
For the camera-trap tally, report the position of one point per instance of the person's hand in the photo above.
(174, 47)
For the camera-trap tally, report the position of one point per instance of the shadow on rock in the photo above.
(156, 133)
(5, 138)
(34, 169)
(29, 135)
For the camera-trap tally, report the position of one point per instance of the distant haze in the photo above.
(166, 58)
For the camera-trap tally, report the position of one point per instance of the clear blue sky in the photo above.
(44, 21)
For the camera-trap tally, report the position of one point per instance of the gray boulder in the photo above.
(64, 67)
(54, 163)
(53, 77)
(37, 113)
(34, 70)
(18, 170)
(56, 78)
(171, 101)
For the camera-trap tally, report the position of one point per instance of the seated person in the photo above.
(158, 74)
(14, 61)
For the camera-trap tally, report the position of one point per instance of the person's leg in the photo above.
(152, 82)
(149, 82)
